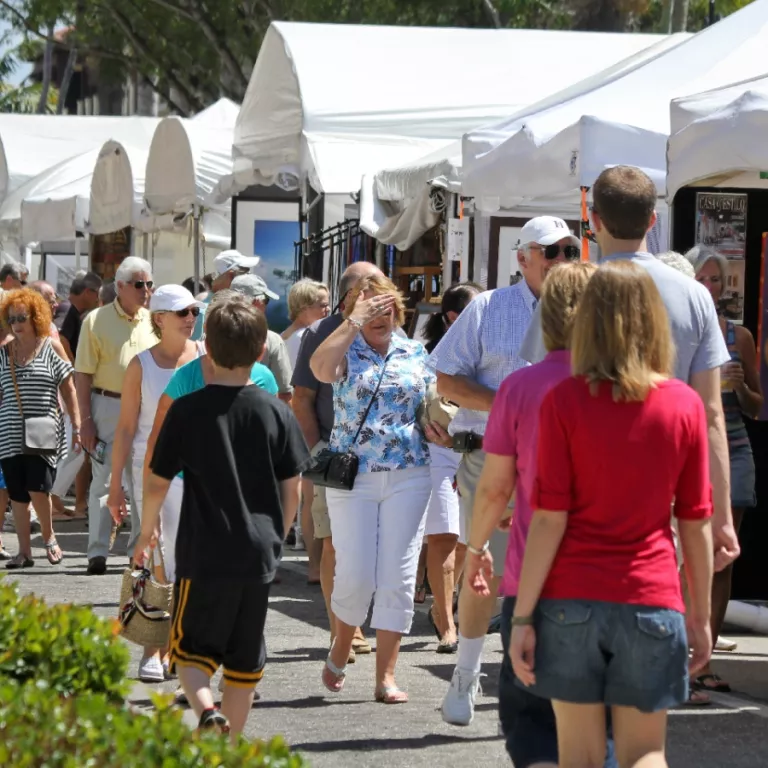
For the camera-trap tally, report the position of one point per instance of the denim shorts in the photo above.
(528, 721)
(590, 652)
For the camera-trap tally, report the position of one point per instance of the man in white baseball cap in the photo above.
(226, 267)
(276, 357)
(479, 350)
(541, 231)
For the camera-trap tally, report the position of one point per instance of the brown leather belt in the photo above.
(105, 393)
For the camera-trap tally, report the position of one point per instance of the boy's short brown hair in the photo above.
(235, 331)
(624, 199)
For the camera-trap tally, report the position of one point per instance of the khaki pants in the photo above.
(105, 412)
(467, 478)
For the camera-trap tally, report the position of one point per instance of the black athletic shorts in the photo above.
(221, 623)
(26, 472)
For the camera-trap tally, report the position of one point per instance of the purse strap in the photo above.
(11, 356)
(370, 404)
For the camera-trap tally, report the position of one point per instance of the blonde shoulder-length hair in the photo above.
(560, 297)
(621, 332)
(378, 285)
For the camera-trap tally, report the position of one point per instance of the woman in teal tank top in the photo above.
(742, 396)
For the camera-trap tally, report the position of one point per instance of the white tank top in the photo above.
(154, 380)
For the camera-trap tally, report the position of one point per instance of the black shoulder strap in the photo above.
(370, 404)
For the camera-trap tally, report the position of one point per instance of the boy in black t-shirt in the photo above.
(241, 451)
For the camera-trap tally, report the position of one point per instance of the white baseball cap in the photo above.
(228, 260)
(547, 230)
(253, 287)
(171, 298)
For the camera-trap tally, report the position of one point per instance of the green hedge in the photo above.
(67, 646)
(39, 728)
(62, 700)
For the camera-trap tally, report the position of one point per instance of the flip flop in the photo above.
(49, 547)
(333, 678)
(697, 698)
(390, 694)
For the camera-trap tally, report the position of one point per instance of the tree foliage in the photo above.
(194, 51)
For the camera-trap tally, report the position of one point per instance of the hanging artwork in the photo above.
(108, 251)
(721, 223)
(269, 230)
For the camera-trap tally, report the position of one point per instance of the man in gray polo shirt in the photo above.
(623, 213)
(313, 407)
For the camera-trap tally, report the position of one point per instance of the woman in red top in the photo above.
(599, 615)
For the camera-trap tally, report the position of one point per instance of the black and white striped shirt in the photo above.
(39, 382)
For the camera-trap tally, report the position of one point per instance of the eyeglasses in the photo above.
(17, 319)
(194, 311)
(551, 252)
(139, 284)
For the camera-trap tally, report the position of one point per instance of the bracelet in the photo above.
(356, 323)
(479, 552)
(522, 621)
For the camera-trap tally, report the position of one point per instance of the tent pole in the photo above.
(144, 246)
(196, 235)
(78, 243)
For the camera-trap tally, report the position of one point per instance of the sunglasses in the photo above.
(23, 282)
(194, 311)
(139, 284)
(17, 319)
(551, 252)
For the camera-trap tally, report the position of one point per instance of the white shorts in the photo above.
(443, 508)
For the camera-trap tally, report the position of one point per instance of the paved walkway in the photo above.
(351, 730)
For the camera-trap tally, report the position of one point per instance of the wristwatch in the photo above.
(479, 552)
(522, 621)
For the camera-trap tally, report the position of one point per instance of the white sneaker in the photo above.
(724, 644)
(151, 670)
(299, 545)
(459, 703)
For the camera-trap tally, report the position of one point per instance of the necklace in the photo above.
(23, 358)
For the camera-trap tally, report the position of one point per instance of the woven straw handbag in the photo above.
(146, 605)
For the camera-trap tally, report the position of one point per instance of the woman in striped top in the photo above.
(39, 367)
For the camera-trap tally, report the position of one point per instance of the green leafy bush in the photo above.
(39, 728)
(67, 646)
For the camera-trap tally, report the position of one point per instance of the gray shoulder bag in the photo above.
(39, 436)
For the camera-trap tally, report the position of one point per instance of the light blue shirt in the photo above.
(483, 345)
(699, 342)
(390, 438)
(189, 378)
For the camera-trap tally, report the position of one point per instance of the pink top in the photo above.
(513, 430)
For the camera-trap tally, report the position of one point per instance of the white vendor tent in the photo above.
(719, 137)
(186, 161)
(552, 152)
(333, 102)
(395, 204)
(31, 144)
(221, 115)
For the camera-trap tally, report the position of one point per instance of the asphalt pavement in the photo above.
(350, 729)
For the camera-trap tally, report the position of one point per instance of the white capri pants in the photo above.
(377, 530)
(443, 510)
(169, 517)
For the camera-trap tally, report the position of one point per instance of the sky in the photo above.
(24, 69)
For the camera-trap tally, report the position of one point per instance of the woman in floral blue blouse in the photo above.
(378, 526)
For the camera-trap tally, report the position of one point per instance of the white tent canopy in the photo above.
(186, 162)
(719, 135)
(31, 144)
(333, 102)
(560, 148)
(221, 115)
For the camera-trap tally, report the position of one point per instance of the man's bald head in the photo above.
(356, 272)
(46, 290)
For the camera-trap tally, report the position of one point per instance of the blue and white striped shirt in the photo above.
(483, 345)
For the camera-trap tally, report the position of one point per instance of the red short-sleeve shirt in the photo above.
(615, 468)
